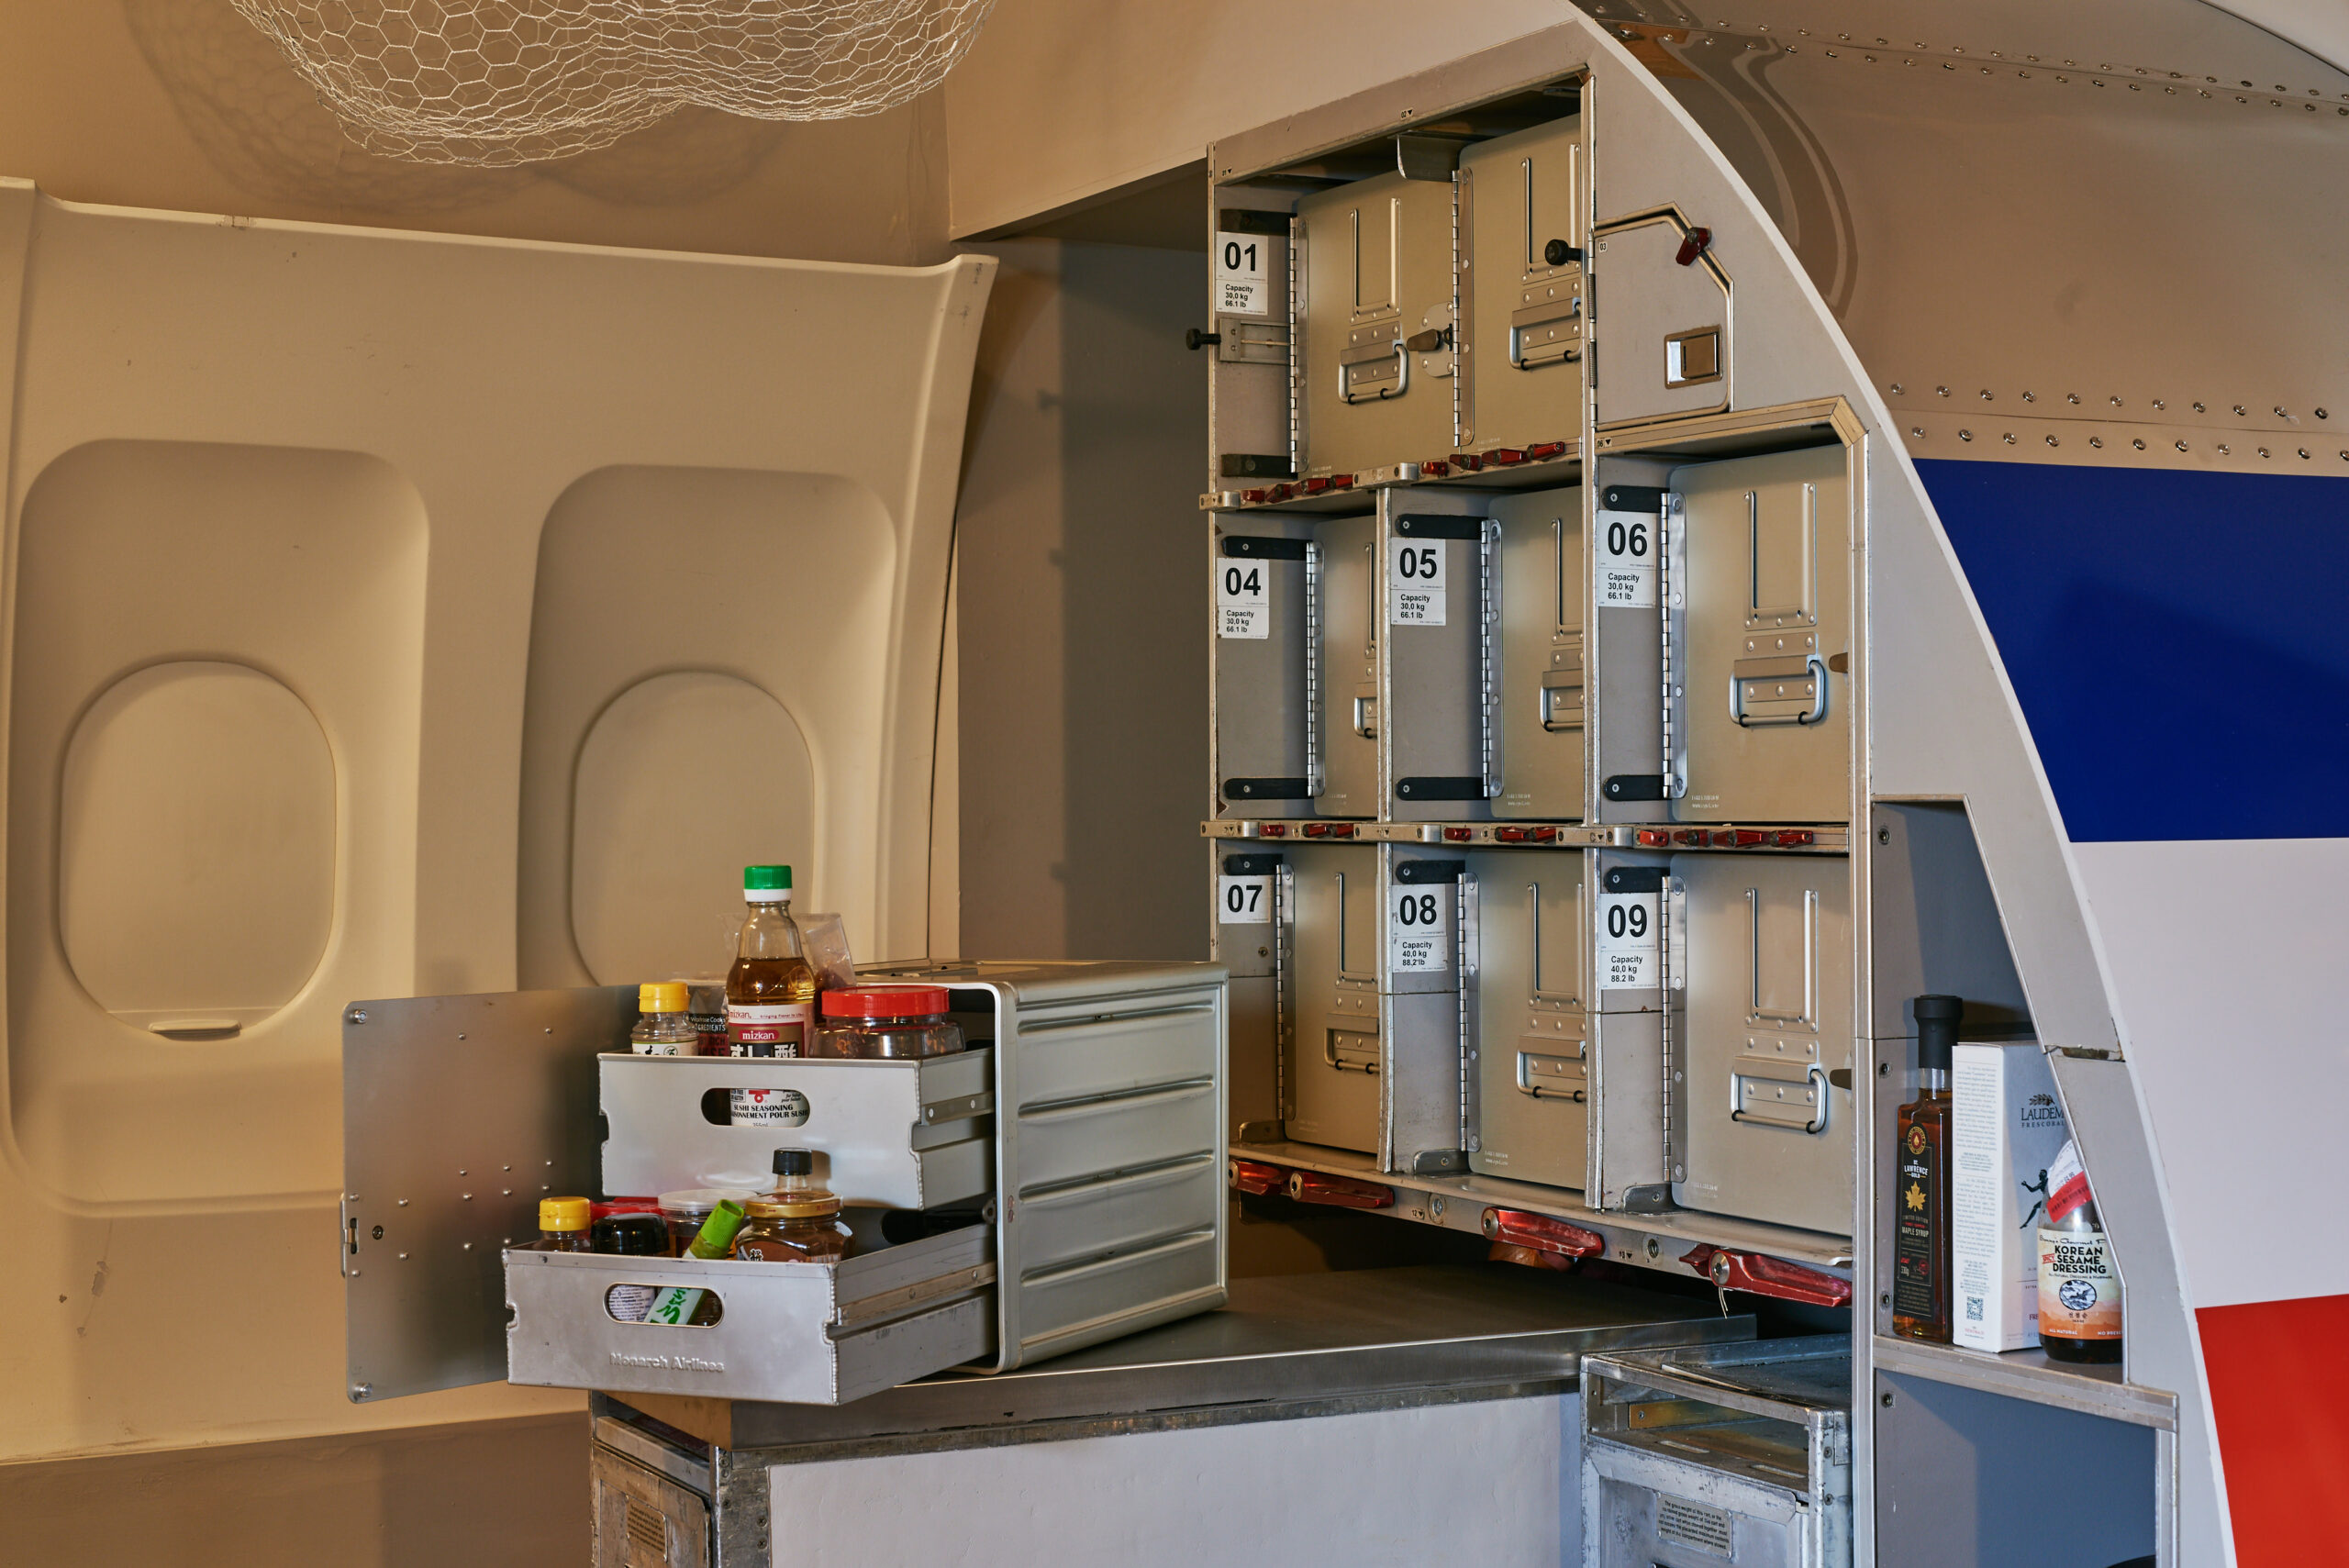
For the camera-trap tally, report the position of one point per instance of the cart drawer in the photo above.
(796, 1333)
(889, 1134)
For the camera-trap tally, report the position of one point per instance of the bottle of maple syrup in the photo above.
(1920, 1240)
(771, 991)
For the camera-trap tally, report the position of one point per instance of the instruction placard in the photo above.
(1628, 952)
(1241, 288)
(1418, 930)
(1242, 607)
(1627, 550)
(1415, 593)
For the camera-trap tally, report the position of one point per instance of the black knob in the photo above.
(1194, 338)
(1557, 253)
(794, 1163)
(1938, 1018)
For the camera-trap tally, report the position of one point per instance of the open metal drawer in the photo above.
(796, 1333)
(1088, 1121)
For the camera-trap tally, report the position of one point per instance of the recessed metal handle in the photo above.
(1400, 385)
(1809, 1116)
(1755, 682)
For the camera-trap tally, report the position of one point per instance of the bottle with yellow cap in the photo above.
(563, 1225)
(664, 1026)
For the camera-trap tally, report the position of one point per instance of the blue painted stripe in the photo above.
(2179, 640)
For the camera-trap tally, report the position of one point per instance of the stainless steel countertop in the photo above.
(1366, 1335)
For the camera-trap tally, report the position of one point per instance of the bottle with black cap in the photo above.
(798, 1222)
(1920, 1240)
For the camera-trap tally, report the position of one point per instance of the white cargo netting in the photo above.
(495, 82)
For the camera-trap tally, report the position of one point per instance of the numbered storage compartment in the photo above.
(1533, 1041)
(1336, 1052)
(1441, 562)
(1253, 932)
(1768, 1044)
(1639, 983)
(1727, 586)
(1663, 330)
(1522, 293)
(1375, 317)
(1295, 665)
(1095, 1110)
(1540, 711)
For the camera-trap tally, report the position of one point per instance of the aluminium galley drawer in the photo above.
(887, 1134)
(795, 1334)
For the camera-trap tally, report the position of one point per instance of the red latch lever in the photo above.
(1693, 244)
(1542, 1233)
(1760, 1275)
(1340, 1192)
(1255, 1177)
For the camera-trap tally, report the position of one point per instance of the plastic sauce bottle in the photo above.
(2080, 1295)
(562, 1224)
(689, 1304)
(799, 1223)
(771, 990)
(663, 1026)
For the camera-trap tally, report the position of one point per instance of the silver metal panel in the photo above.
(801, 1333)
(1438, 701)
(1377, 260)
(893, 1134)
(643, 1518)
(1351, 619)
(1767, 708)
(1282, 1340)
(1627, 1122)
(1262, 709)
(1524, 354)
(1768, 1051)
(1544, 671)
(1650, 313)
(1534, 1067)
(460, 1112)
(1338, 1047)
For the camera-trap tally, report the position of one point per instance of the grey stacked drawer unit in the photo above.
(1067, 1168)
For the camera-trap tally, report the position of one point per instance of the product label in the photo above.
(1629, 956)
(711, 1029)
(1916, 1231)
(1419, 937)
(656, 1047)
(1627, 560)
(768, 1108)
(1244, 900)
(2079, 1298)
(674, 1303)
(1240, 288)
(1415, 593)
(1242, 607)
(630, 1303)
(768, 1028)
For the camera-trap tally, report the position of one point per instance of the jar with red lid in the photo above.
(884, 1023)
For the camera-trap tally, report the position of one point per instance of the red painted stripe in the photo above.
(2279, 1392)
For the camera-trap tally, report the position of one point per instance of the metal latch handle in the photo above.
(1814, 1078)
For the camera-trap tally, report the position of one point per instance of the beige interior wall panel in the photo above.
(348, 573)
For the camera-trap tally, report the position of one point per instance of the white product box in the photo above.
(2006, 1127)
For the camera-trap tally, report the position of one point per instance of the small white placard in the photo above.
(1239, 286)
(1415, 581)
(1242, 608)
(1627, 940)
(1418, 930)
(1244, 900)
(1627, 548)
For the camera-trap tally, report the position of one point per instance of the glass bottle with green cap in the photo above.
(771, 991)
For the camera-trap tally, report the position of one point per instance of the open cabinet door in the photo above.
(459, 1114)
(392, 614)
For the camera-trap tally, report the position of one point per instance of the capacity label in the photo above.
(1244, 900)
(1627, 547)
(1418, 932)
(1415, 594)
(1628, 951)
(1241, 288)
(1242, 608)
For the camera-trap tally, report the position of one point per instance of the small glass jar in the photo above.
(562, 1224)
(886, 1023)
(686, 1212)
(799, 1222)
